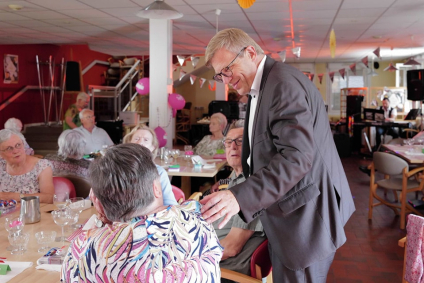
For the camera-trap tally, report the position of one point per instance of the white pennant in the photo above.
(181, 59)
(282, 55)
(192, 79)
(182, 74)
(296, 52)
(194, 61)
(212, 83)
(202, 82)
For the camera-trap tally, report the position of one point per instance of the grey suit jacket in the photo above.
(296, 184)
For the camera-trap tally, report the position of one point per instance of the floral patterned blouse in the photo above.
(207, 146)
(68, 166)
(24, 184)
(173, 245)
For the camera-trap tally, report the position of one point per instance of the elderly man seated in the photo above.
(95, 137)
(144, 241)
(238, 238)
(72, 119)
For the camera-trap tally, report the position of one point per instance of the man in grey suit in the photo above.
(296, 184)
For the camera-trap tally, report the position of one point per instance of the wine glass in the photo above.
(77, 204)
(13, 224)
(62, 217)
(61, 200)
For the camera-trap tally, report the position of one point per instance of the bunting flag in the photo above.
(193, 79)
(282, 55)
(194, 61)
(331, 74)
(181, 59)
(202, 82)
(332, 43)
(296, 52)
(182, 74)
(320, 76)
(377, 52)
(174, 67)
(353, 68)
(342, 72)
(365, 61)
(311, 77)
(212, 85)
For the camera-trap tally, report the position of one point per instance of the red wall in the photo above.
(28, 108)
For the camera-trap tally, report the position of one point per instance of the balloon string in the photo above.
(169, 120)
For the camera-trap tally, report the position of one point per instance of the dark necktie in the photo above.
(246, 145)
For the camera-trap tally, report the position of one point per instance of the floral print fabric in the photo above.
(414, 269)
(173, 245)
(208, 146)
(68, 166)
(24, 184)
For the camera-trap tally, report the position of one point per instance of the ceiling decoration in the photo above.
(332, 43)
(246, 4)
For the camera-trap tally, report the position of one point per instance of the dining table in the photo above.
(31, 274)
(413, 154)
(188, 170)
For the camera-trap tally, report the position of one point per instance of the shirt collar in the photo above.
(254, 91)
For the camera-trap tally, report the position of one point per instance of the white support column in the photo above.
(160, 75)
(220, 91)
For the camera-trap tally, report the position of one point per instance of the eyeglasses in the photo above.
(10, 148)
(228, 142)
(226, 72)
(88, 117)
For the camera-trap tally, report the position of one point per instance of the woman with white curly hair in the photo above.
(15, 124)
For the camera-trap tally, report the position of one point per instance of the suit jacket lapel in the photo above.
(245, 146)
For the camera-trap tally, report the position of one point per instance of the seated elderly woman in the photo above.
(21, 174)
(145, 240)
(69, 158)
(16, 125)
(146, 137)
(211, 143)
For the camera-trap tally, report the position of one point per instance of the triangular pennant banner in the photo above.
(365, 61)
(174, 67)
(182, 74)
(282, 55)
(311, 77)
(353, 68)
(211, 83)
(181, 59)
(202, 82)
(194, 61)
(296, 52)
(320, 76)
(342, 72)
(193, 78)
(377, 52)
(331, 74)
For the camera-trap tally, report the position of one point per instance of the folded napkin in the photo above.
(17, 267)
(49, 267)
(87, 204)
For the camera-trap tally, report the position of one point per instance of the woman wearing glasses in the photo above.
(21, 174)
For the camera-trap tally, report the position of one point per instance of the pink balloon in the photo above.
(161, 134)
(143, 86)
(174, 112)
(176, 101)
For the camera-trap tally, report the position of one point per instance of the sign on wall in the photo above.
(11, 70)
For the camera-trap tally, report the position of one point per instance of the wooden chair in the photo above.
(397, 178)
(82, 186)
(178, 193)
(410, 133)
(62, 184)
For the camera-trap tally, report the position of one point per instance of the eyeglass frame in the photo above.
(220, 74)
(9, 149)
(224, 142)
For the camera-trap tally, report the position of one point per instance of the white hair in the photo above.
(71, 144)
(82, 95)
(13, 124)
(5, 135)
(81, 114)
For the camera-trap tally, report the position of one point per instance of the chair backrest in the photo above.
(61, 184)
(396, 141)
(178, 193)
(82, 186)
(260, 258)
(388, 164)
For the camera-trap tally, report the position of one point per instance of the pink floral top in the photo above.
(24, 184)
(172, 245)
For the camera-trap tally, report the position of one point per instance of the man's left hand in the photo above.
(219, 204)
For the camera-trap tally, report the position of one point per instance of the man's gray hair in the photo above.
(82, 95)
(237, 124)
(5, 135)
(123, 179)
(71, 144)
(231, 39)
(81, 114)
(13, 124)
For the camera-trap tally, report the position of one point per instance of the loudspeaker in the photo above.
(415, 84)
(354, 106)
(113, 128)
(73, 76)
(376, 65)
(229, 108)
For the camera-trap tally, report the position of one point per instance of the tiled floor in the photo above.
(371, 253)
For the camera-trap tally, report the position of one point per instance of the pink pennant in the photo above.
(342, 73)
(331, 74)
(320, 76)
(311, 77)
(182, 74)
(193, 78)
(202, 82)
(353, 68)
(377, 52)
(365, 61)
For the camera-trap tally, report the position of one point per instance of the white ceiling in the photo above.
(111, 26)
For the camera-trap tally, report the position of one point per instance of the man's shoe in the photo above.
(365, 169)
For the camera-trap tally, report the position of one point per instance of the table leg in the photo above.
(186, 186)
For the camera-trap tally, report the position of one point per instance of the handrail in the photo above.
(16, 95)
(128, 73)
(91, 65)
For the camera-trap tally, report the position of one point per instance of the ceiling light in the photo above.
(159, 10)
(15, 7)
(411, 61)
(376, 36)
(390, 68)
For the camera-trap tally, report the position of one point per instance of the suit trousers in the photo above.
(316, 273)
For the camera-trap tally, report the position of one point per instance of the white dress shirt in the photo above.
(254, 93)
(95, 140)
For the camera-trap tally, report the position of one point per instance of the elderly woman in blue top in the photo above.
(146, 137)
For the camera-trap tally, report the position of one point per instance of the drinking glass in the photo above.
(176, 154)
(19, 242)
(44, 238)
(61, 200)
(77, 204)
(73, 219)
(13, 224)
(62, 217)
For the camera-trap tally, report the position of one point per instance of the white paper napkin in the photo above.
(49, 267)
(17, 267)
